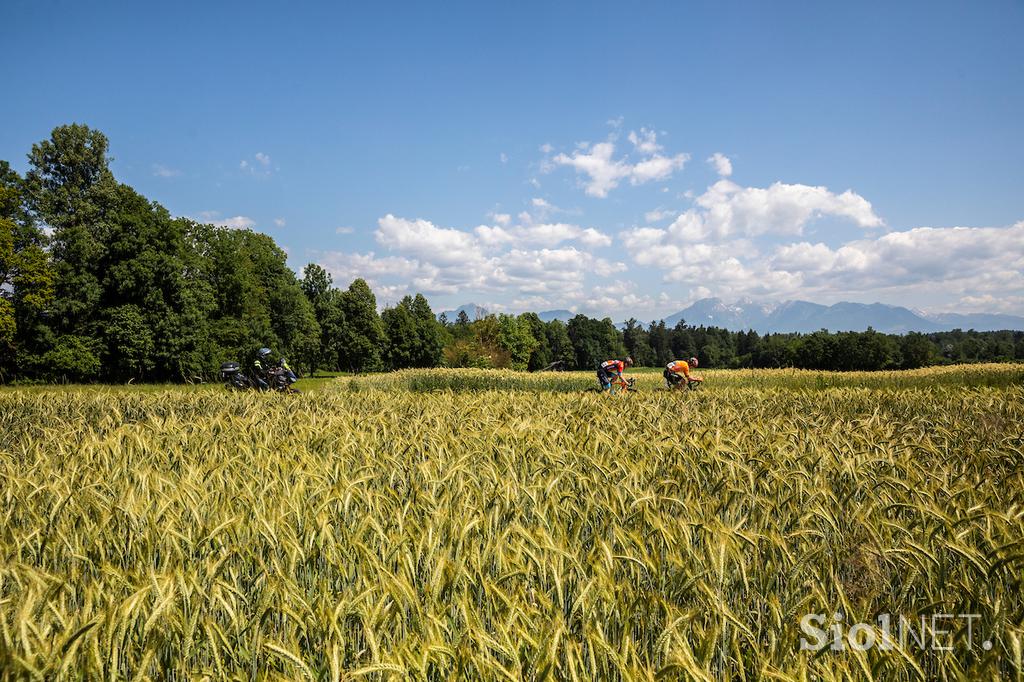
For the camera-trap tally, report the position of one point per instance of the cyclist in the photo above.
(677, 373)
(610, 372)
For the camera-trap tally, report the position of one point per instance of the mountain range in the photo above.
(475, 312)
(472, 310)
(803, 316)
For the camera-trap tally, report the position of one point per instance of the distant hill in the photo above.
(563, 315)
(804, 316)
(472, 310)
(475, 312)
(977, 321)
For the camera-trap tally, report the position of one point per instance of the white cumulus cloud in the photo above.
(646, 141)
(238, 222)
(657, 215)
(525, 259)
(966, 266)
(604, 172)
(721, 163)
(727, 209)
(423, 239)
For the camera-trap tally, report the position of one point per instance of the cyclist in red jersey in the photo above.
(611, 371)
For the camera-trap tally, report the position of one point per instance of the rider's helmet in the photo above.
(629, 362)
(693, 362)
(263, 353)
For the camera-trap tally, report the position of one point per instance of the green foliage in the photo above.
(316, 282)
(257, 298)
(26, 278)
(351, 331)
(153, 297)
(292, 319)
(8, 327)
(71, 189)
(560, 344)
(661, 345)
(461, 323)
(638, 344)
(72, 359)
(400, 330)
(594, 341)
(129, 341)
(516, 338)
(66, 171)
(363, 333)
(413, 334)
(470, 352)
(316, 285)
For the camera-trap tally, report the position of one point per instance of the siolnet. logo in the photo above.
(936, 631)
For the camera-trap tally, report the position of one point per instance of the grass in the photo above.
(316, 382)
(965, 376)
(489, 526)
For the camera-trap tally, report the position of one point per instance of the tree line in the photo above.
(821, 350)
(98, 283)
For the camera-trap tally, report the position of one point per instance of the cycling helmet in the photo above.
(693, 362)
(263, 353)
(629, 361)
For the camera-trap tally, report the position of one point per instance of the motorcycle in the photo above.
(281, 380)
(234, 378)
(277, 379)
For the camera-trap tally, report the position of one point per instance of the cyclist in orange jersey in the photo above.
(677, 373)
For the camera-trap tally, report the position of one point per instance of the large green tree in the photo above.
(155, 303)
(560, 344)
(128, 286)
(594, 341)
(69, 187)
(540, 356)
(26, 279)
(258, 298)
(400, 329)
(413, 334)
(363, 333)
(351, 332)
(638, 344)
(516, 338)
(316, 285)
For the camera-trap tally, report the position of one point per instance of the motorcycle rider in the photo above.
(260, 372)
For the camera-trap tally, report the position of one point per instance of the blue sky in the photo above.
(563, 155)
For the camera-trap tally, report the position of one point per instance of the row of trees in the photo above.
(525, 342)
(99, 283)
(841, 351)
(354, 338)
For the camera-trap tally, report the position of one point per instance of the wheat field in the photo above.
(436, 525)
